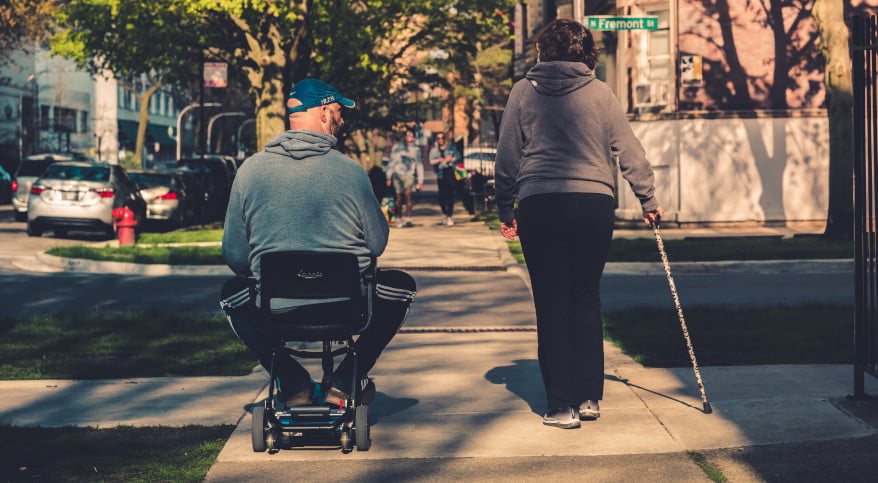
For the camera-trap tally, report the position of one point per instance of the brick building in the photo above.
(727, 97)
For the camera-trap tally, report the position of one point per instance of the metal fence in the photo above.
(864, 30)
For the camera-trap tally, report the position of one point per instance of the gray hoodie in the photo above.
(557, 133)
(301, 194)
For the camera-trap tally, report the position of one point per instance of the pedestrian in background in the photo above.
(404, 172)
(444, 157)
(557, 132)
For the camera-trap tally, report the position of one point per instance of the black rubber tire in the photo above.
(361, 428)
(257, 433)
(34, 230)
(344, 440)
(60, 232)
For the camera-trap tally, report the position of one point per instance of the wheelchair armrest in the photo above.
(369, 274)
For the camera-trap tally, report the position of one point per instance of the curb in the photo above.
(507, 263)
(154, 270)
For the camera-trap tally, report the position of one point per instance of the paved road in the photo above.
(25, 293)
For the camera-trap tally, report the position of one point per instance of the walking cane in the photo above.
(664, 255)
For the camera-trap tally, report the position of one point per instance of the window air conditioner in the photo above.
(652, 94)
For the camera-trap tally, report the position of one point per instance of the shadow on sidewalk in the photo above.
(523, 379)
(608, 377)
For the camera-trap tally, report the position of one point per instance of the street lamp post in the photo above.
(21, 127)
(214, 118)
(180, 125)
(238, 137)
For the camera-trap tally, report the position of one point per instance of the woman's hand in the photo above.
(509, 231)
(652, 217)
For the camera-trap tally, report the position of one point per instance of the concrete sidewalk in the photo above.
(455, 405)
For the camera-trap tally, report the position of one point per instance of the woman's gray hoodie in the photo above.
(557, 133)
(301, 194)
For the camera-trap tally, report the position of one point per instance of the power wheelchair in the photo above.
(338, 305)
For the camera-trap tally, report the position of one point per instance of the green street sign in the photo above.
(622, 23)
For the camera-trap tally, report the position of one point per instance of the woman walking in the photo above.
(558, 131)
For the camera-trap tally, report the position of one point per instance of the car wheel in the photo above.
(34, 230)
(60, 232)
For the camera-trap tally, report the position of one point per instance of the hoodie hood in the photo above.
(559, 78)
(301, 143)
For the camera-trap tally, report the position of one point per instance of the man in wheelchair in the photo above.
(302, 195)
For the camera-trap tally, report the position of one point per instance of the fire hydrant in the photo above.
(125, 223)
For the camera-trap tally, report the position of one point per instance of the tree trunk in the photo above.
(778, 91)
(833, 46)
(737, 74)
(143, 122)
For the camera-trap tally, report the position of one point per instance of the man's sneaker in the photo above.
(444, 220)
(589, 410)
(301, 398)
(334, 395)
(565, 418)
(400, 223)
(449, 222)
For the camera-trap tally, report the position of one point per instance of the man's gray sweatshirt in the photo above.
(557, 133)
(301, 194)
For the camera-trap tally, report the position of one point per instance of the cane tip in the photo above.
(707, 408)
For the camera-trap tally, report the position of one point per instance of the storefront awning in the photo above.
(154, 133)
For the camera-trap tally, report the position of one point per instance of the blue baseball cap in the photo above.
(314, 93)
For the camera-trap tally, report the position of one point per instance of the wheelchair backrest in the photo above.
(309, 275)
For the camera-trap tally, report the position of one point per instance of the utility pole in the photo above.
(579, 11)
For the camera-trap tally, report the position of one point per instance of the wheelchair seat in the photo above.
(310, 297)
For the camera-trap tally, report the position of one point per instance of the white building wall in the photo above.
(736, 170)
(62, 85)
(106, 111)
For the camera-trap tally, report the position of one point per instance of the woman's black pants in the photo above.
(565, 238)
(446, 186)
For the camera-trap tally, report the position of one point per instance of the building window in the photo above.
(654, 78)
(65, 119)
(83, 121)
(44, 118)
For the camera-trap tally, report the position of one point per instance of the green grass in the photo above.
(134, 344)
(122, 454)
(808, 334)
(183, 255)
(713, 473)
(731, 248)
(188, 235)
(708, 248)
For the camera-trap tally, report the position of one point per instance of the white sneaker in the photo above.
(589, 410)
(444, 220)
(449, 222)
(400, 223)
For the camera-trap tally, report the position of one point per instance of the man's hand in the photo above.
(652, 217)
(509, 231)
(389, 183)
(418, 187)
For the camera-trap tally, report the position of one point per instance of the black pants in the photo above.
(447, 186)
(394, 295)
(565, 238)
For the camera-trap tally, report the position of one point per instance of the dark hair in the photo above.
(569, 41)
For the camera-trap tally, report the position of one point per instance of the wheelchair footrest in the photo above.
(310, 417)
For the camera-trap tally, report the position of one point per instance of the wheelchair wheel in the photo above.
(361, 428)
(345, 440)
(258, 429)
